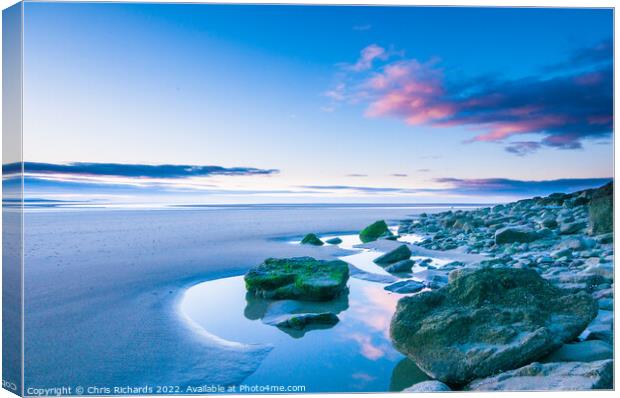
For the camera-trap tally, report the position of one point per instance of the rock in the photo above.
(405, 287)
(374, 231)
(312, 239)
(561, 253)
(577, 244)
(584, 351)
(301, 321)
(606, 304)
(488, 320)
(572, 227)
(549, 222)
(606, 270)
(515, 234)
(560, 376)
(601, 328)
(428, 386)
(601, 212)
(400, 266)
(301, 278)
(402, 252)
(605, 238)
(334, 241)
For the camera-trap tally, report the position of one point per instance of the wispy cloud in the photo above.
(362, 27)
(356, 175)
(353, 188)
(399, 175)
(367, 56)
(519, 187)
(564, 104)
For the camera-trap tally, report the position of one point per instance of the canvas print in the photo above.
(301, 199)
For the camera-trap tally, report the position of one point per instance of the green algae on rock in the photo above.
(487, 321)
(312, 239)
(298, 278)
(374, 231)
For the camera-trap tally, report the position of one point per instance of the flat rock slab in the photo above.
(299, 278)
(562, 376)
(584, 351)
(405, 287)
(486, 321)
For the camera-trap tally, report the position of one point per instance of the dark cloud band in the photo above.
(132, 170)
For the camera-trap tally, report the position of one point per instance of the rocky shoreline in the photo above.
(530, 307)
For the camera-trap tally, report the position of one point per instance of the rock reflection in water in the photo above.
(271, 312)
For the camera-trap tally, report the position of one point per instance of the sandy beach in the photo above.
(103, 287)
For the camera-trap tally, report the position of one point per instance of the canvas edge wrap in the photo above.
(12, 200)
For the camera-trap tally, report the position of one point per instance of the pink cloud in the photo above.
(564, 109)
(367, 56)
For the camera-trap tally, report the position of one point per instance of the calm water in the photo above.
(354, 355)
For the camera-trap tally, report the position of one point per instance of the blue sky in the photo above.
(397, 104)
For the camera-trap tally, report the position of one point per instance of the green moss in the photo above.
(375, 231)
(312, 239)
(298, 278)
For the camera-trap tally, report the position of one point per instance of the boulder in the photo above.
(559, 376)
(402, 252)
(601, 211)
(549, 222)
(300, 278)
(375, 231)
(515, 235)
(583, 351)
(572, 227)
(405, 287)
(487, 320)
(400, 266)
(334, 241)
(312, 239)
(428, 386)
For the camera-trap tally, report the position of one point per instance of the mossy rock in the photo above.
(487, 321)
(312, 239)
(601, 210)
(402, 252)
(334, 241)
(299, 278)
(374, 231)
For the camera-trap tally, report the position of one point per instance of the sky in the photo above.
(232, 104)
